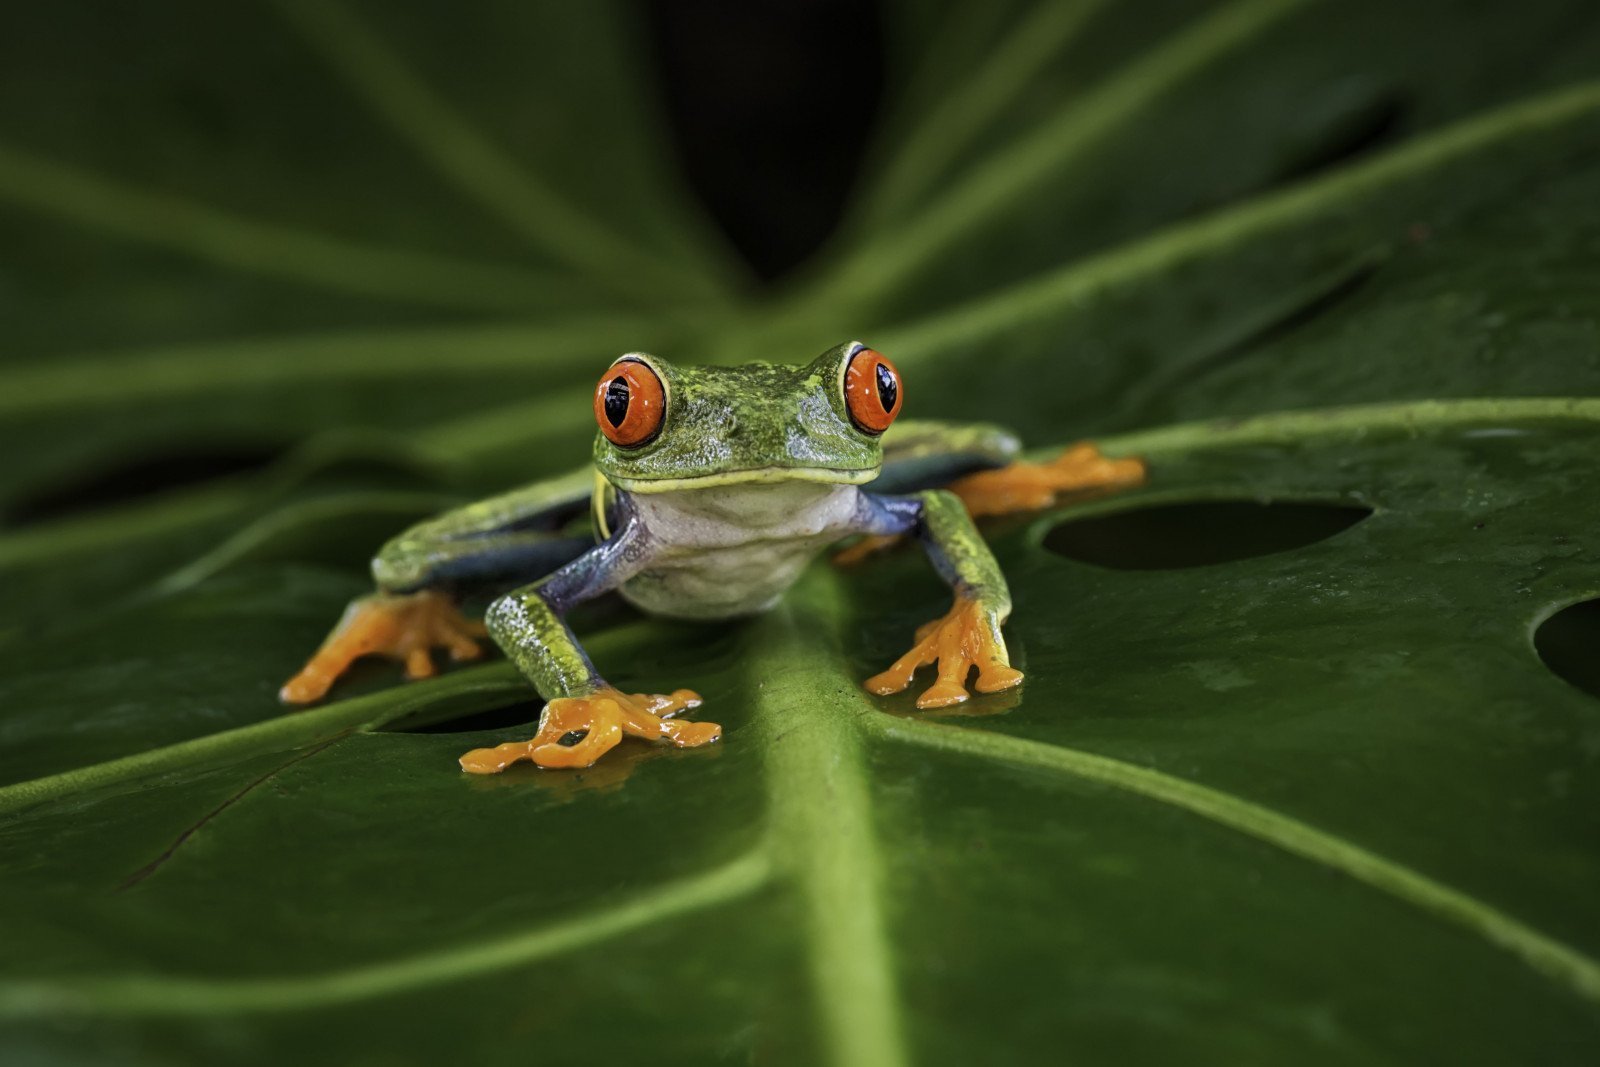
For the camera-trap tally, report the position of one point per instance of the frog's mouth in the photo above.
(749, 476)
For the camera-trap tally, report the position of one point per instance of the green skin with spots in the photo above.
(757, 468)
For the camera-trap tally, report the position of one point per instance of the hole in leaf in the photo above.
(1569, 644)
(1171, 536)
(504, 717)
(145, 475)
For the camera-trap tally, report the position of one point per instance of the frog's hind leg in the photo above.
(978, 463)
(492, 545)
(1034, 486)
(921, 454)
(405, 628)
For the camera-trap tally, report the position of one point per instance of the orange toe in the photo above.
(309, 685)
(997, 678)
(942, 695)
(496, 759)
(691, 734)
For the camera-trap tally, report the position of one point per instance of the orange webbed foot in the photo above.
(406, 628)
(967, 637)
(1034, 486)
(602, 718)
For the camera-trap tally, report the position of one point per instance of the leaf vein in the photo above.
(1080, 280)
(204, 996)
(178, 842)
(477, 685)
(221, 237)
(880, 264)
(947, 129)
(447, 141)
(822, 829)
(1554, 959)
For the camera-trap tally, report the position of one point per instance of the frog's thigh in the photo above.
(924, 454)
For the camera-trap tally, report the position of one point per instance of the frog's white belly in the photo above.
(734, 550)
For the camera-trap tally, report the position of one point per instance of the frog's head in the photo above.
(665, 428)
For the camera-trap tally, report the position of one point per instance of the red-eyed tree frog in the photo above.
(711, 490)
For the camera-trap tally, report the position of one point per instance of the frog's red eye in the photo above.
(629, 403)
(872, 391)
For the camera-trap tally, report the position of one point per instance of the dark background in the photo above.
(795, 85)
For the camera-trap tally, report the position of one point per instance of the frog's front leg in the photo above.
(530, 625)
(966, 637)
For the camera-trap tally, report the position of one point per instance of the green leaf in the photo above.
(1288, 780)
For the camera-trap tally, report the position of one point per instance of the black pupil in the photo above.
(888, 388)
(617, 400)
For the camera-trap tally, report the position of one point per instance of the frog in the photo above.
(711, 489)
